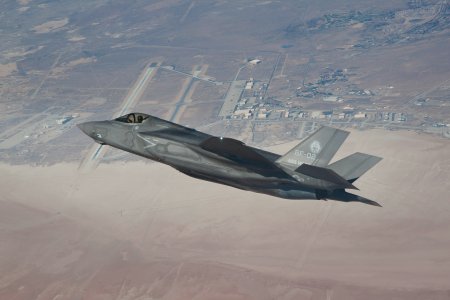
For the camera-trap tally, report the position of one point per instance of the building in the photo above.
(64, 120)
(330, 98)
(360, 115)
(254, 61)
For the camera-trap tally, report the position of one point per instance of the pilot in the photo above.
(131, 118)
(140, 119)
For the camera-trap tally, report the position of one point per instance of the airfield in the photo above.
(141, 230)
(276, 75)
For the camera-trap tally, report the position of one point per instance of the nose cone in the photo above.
(88, 128)
(96, 130)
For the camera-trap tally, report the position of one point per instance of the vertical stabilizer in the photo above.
(317, 149)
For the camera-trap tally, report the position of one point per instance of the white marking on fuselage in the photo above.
(315, 147)
(149, 141)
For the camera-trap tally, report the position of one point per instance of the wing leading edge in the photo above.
(238, 152)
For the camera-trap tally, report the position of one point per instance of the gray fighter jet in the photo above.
(302, 173)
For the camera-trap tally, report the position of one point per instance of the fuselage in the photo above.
(179, 147)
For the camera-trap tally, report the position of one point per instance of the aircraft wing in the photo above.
(238, 152)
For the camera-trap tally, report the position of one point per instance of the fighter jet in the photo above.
(302, 173)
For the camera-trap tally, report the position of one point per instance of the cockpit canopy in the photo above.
(133, 118)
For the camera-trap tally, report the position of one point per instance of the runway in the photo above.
(96, 152)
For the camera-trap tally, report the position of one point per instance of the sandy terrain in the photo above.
(144, 231)
(7, 69)
(51, 26)
(76, 38)
(23, 2)
(59, 70)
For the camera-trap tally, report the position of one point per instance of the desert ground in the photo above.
(141, 230)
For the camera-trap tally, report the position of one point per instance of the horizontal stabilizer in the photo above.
(341, 195)
(326, 175)
(317, 149)
(354, 166)
(238, 152)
